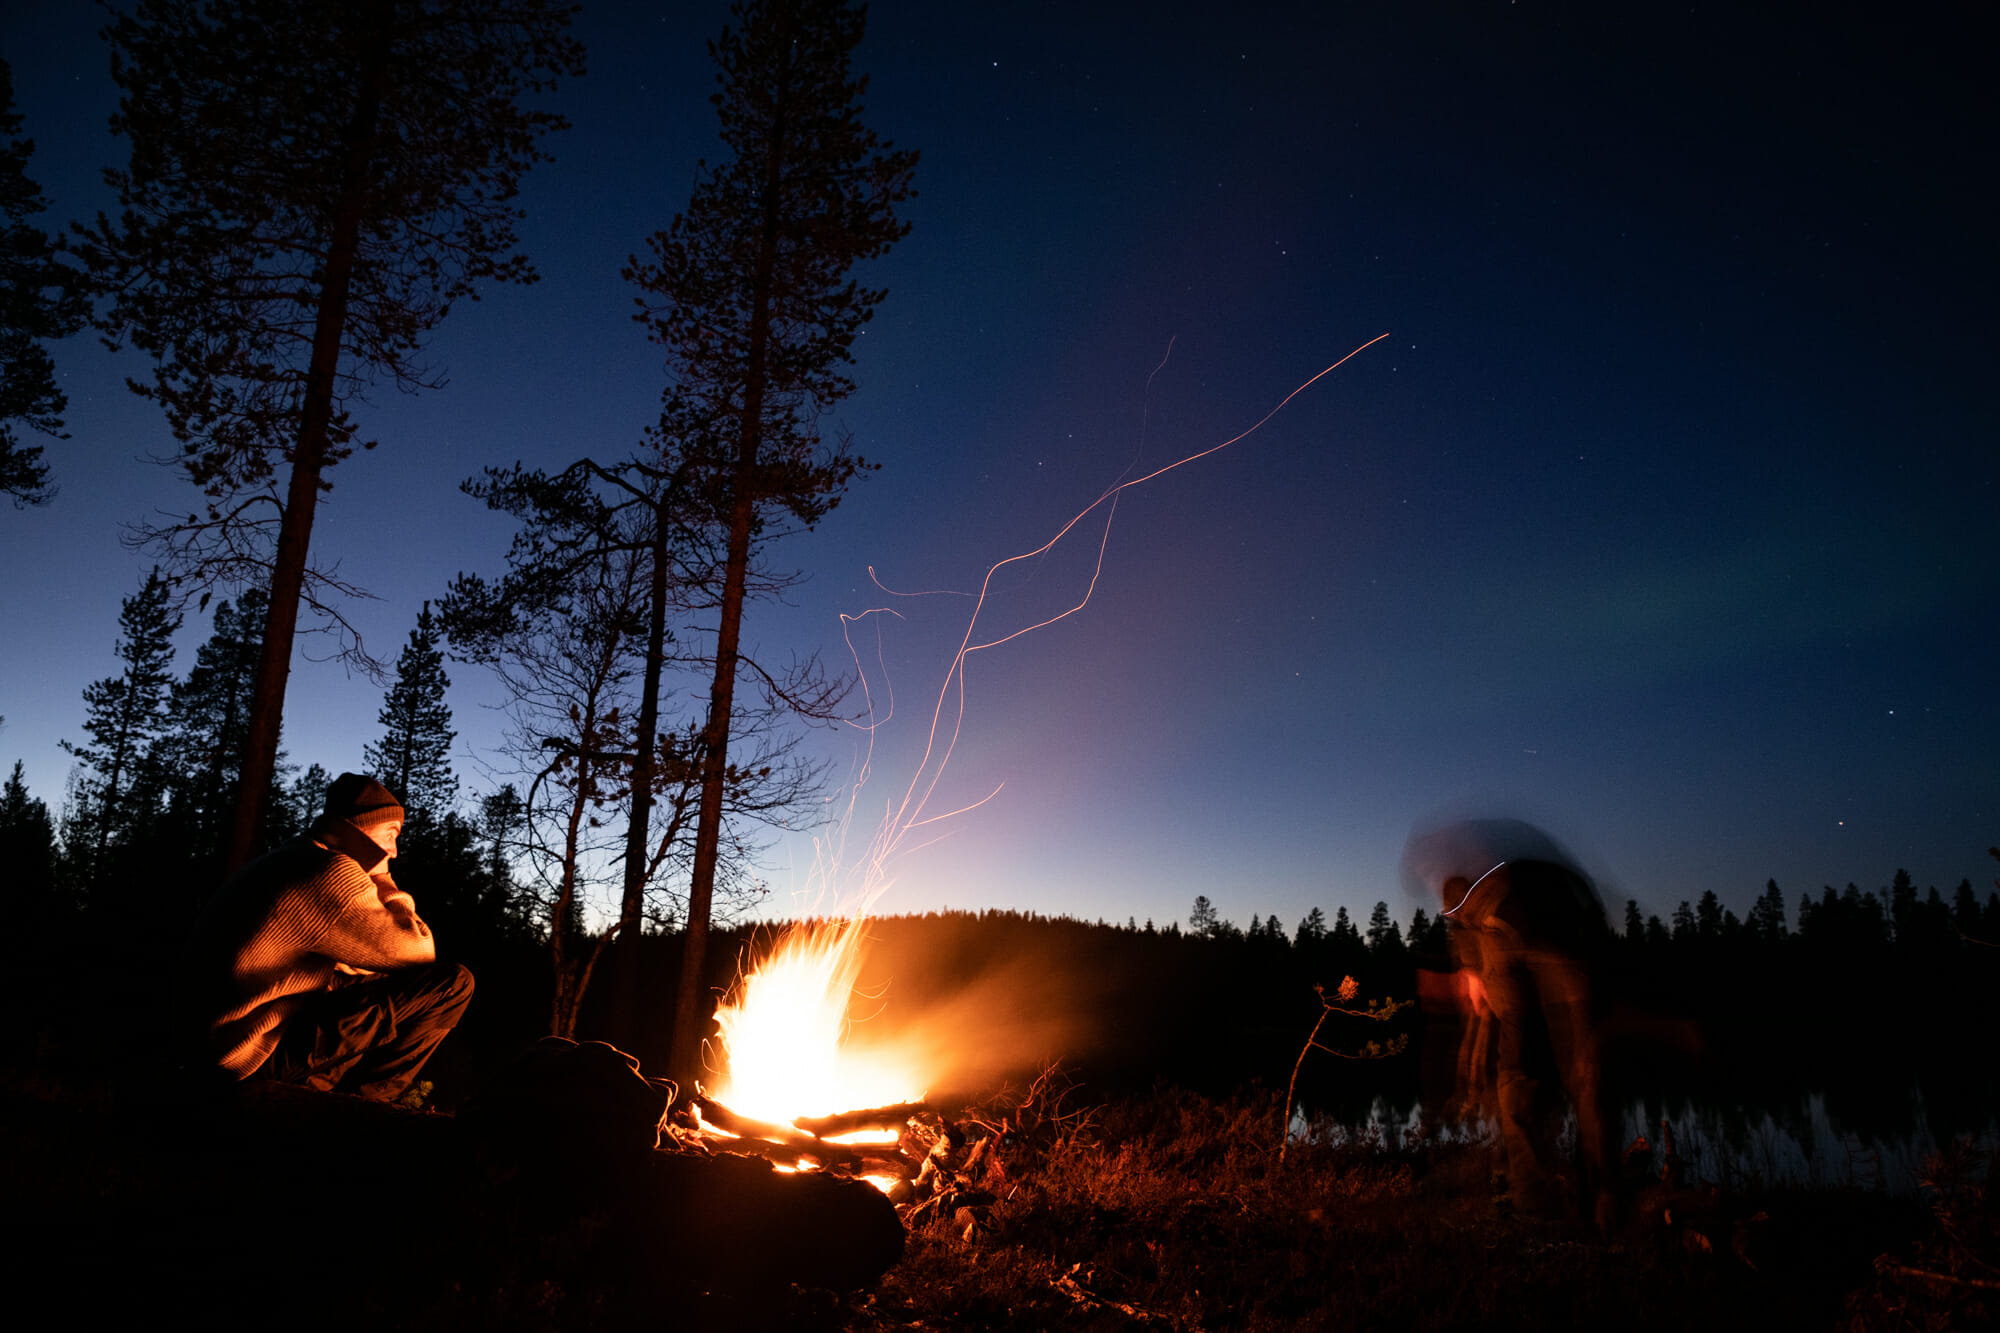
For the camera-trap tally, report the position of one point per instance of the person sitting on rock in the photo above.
(315, 969)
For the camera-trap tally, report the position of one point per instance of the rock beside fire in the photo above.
(568, 1109)
(737, 1223)
(573, 1130)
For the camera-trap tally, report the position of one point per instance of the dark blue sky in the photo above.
(1664, 517)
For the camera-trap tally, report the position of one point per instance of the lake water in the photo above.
(1737, 1147)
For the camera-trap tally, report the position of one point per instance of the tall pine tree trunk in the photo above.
(690, 1013)
(690, 1010)
(267, 701)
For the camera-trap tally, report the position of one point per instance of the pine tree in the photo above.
(39, 300)
(311, 188)
(1903, 910)
(1385, 937)
(413, 758)
(1635, 925)
(568, 680)
(123, 715)
(200, 751)
(1312, 928)
(1767, 914)
(1685, 928)
(304, 797)
(1708, 915)
(1965, 910)
(582, 529)
(749, 293)
(1427, 934)
(1203, 919)
(1867, 915)
(28, 851)
(500, 816)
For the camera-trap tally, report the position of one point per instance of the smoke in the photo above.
(978, 1001)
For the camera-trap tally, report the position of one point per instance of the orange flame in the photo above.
(784, 1030)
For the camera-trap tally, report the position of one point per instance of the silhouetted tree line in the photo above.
(1860, 994)
(142, 835)
(1848, 1003)
(1883, 1000)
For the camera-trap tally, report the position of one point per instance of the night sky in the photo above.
(1664, 517)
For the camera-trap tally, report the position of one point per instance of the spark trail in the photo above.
(911, 812)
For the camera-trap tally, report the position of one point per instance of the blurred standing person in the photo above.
(1529, 936)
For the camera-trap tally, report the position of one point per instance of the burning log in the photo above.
(853, 1122)
(800, 1147)
(850, 1159)
(743, 1127)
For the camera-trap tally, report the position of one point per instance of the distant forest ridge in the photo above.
(1893, 915)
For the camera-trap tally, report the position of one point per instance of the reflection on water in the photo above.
(1801, 1144)
(1738, 1148)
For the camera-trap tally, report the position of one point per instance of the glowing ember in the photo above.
(784, 1031)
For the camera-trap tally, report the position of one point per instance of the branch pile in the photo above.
(939, 1172)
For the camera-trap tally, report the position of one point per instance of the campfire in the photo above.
(783, 1032)
(794, 1093)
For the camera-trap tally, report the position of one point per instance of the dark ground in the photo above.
(142, 1207)
(138, 1201)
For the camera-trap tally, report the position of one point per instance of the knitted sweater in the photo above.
(282, 928)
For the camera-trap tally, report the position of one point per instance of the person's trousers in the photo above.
(1527, 987)
(370, 1036)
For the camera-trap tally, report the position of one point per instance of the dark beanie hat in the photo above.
(361, 801)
